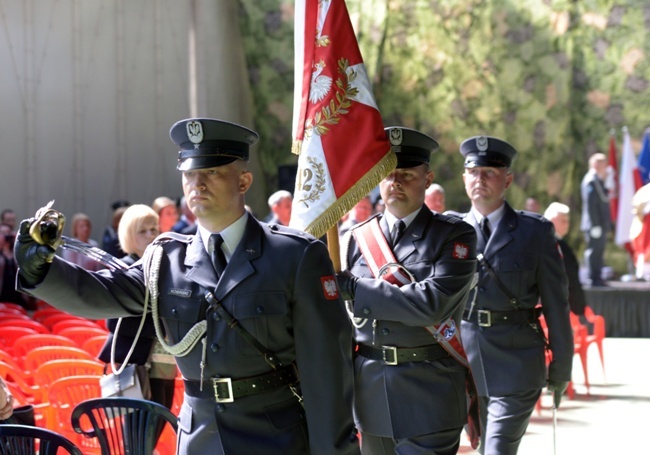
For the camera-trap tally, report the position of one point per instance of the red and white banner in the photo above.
(630, 182)
(611, 183)
(338, 132)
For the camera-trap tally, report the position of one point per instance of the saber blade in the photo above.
(93, 252)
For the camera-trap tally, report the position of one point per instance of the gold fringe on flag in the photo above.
(344, 204)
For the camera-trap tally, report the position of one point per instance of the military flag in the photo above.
(611, 183)
(630, 182)
(338, 132)
(644, 158)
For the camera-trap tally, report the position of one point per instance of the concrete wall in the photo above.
(90, 88)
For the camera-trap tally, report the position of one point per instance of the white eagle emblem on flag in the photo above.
(461, 251)
(330, 289)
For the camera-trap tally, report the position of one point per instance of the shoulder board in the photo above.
(533, 215)
(454, 214)
(291, 232)
(166, 237)
(451, 218)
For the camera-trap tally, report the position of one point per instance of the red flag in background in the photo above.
(612, 177)
(630, 182)
(338, 132)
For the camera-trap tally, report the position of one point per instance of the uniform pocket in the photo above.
(258, 314)
(180, 314)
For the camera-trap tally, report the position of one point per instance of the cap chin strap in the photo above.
(151, 267)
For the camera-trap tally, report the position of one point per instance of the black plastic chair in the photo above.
(27, 440)
(122, 425)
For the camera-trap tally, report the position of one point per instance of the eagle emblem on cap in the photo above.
(482, 143)
(396, 136)
(194, 132)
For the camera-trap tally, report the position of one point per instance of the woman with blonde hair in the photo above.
(137, 229)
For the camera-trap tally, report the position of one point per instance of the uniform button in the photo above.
(481, 290)
(385, 331)
(214, 347)
(259, 310)
(221, 408)
(366, 311)
(174, 311)
(216, 317)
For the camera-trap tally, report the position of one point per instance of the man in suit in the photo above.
(250, 311)
(596, 222)
(519, 267)
(558, 214)
(409, 392)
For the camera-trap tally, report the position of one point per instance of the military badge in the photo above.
(449, 332)
(195, 132)
(330, 289)
(395, 136)
(461, 251)
(482, 144)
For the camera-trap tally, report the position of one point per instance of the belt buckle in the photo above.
(484, 318)
(389, 355)
(219, 384)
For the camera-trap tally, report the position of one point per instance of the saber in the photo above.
(554, 429)
(47, 227)
(93, 252)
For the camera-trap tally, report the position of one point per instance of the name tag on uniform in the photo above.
(186, 293)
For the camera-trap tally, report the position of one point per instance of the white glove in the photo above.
(595, 232)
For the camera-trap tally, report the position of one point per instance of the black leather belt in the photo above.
(226, 390)
(487, 318)
(392, 355)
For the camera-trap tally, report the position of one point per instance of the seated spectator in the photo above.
(8, 270)
(187, 222)
(434, 198)
(167, 212)
(81, 230)
(280, 206)
(532, 205)
(359, 213)
(558, 214)
(8, 217)
(110, 242)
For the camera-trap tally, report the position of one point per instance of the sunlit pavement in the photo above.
(614, 418)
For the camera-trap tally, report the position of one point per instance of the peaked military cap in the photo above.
(411, 147)
(487, 151)
(207, 142)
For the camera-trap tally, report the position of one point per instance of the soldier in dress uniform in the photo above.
(259, 331)
(409, 391)
(519, 267)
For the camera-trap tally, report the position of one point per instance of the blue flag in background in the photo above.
(644, 158)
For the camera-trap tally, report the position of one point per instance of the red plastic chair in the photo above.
(13, 306)
(7, 313)
(81, 334)
(63, 395)
(38, 356)
(52, 319)
(9, 336)
(598, 334)
(43, 313)
(52, 370)
(28, 323)
(8, 358)
(18, 379)
(73, 323)
(94, 345)
(28, 342)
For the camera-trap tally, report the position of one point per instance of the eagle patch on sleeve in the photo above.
(461, 251)
(330, 289)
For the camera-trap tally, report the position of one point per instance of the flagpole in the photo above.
(333, 247)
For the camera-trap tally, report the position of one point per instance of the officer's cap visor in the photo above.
(204, 162)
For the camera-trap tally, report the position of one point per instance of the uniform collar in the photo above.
(392, 219)
(232, 235)
(494, 217)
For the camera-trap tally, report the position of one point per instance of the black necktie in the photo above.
(485, 228)
(398, 230)
(218, 258)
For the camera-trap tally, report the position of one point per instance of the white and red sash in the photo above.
(382, 263)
